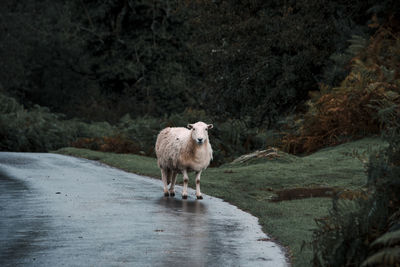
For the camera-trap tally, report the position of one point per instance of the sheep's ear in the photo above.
(189, 126)
(210, 126)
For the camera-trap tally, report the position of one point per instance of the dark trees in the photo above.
(250, 60)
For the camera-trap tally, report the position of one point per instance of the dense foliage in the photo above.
(237, 59)
(37, 129)
(365, 232)
(96, 61)
(143, 65)
(265, 56)
(366, 101)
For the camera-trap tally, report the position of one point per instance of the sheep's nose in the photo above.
(199, 140)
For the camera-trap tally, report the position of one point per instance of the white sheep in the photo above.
(181, 150)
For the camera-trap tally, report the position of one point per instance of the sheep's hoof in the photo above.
(172, 194)
(184, 196)
(166, 194)
(200, 197)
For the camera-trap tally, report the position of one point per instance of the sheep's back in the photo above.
(168, 146)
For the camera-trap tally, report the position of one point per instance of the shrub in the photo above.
(229, 138)
(37, 129)
(365, 232)
(363, 104)
(116, 144)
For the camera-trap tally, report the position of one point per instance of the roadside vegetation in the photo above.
(258, 183)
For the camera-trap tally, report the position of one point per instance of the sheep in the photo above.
(182, 150)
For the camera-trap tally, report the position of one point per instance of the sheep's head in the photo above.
(200, 131)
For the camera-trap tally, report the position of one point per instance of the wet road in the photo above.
(63, 211)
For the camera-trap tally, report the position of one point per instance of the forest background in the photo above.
(125, 69)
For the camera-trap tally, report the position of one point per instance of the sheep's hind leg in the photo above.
(172, 186)
(164, 178)
(185, 184)
(198, 193)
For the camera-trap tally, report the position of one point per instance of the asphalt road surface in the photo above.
(63, 211)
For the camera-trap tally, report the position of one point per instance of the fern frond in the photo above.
(357, 44)
(386, 257)
(387, 240)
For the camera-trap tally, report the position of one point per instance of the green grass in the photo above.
(248, 186)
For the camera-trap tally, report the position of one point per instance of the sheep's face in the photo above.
(199, 131)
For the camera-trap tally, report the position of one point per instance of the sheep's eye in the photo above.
(194, 129)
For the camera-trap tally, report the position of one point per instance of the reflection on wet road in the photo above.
(57, 210)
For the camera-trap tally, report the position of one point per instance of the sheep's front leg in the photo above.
(185, 184)
(198, 193)
(172, 186)
(164, 176)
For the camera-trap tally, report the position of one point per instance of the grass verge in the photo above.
(250, 185)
